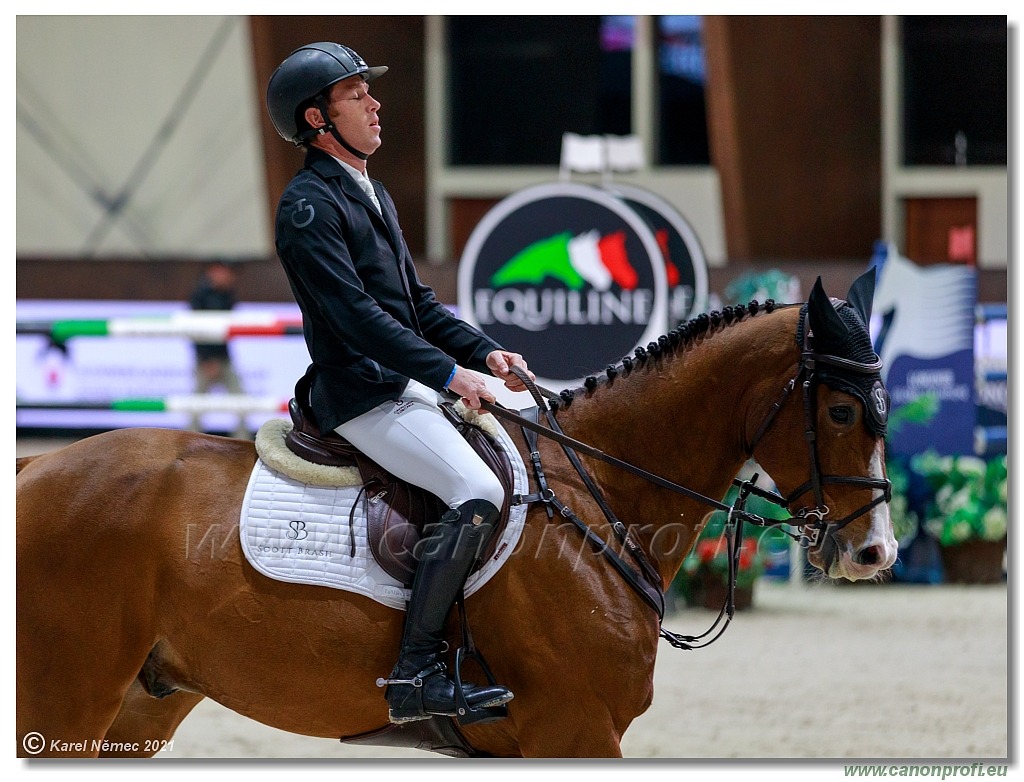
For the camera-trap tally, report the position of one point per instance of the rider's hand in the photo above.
(471, 387)
(499, 361)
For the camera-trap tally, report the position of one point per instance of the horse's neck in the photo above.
(688, 417)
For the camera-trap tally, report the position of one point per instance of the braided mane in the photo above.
(679, 338)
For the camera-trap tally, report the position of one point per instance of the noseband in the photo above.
(816, 527)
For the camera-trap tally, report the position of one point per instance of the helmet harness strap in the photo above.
(321, 103)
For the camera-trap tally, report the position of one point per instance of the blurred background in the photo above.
(784, 148)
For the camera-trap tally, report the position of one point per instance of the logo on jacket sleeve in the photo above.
(302, 213)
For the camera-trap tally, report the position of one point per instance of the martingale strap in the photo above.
(647, 583)
(618, 528)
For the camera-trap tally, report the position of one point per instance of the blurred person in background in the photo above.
(215, 291)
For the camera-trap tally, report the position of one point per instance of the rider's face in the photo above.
(354, 112)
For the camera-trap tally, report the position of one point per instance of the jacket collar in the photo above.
(324, 165)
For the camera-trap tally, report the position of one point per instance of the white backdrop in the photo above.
(159, 111)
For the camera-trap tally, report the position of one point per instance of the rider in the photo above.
(383, 348)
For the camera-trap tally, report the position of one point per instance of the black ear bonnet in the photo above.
(845, 335)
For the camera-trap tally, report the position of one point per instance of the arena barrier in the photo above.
(62, 363)
(183, 403)
(208, 326)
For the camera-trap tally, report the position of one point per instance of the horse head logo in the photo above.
(927, 311)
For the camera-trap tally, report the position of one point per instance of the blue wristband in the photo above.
(451, 377)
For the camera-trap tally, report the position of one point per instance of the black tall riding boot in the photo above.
(419, 685)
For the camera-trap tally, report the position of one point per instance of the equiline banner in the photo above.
(686, 267)
(574, 277)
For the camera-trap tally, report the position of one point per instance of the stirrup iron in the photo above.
(463, 712)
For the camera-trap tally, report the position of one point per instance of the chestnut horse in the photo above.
(135, 602)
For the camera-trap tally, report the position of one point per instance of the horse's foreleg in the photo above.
(145, 725)
(58, 716)
(69, 688)
(65, 706)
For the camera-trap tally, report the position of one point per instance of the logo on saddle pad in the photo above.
(571, 276)
(298, 530)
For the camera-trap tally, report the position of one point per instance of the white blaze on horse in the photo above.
(121, 631)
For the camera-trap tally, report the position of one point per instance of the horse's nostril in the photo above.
(869, 555)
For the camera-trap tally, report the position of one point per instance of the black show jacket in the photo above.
(368, 321)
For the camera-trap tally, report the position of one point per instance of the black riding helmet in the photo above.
(306, 75)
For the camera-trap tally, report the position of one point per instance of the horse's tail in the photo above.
(23, 461)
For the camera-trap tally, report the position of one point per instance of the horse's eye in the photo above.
(841, 414)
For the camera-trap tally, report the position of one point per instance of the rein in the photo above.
(646, 584)
(815, 528)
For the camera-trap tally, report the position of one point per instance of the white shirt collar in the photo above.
(355, 172)
(362, 180)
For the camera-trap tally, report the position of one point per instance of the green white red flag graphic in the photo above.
(587, 258)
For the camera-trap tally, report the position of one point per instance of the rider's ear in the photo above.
(862, 295)
(825, 323)
(314, 117)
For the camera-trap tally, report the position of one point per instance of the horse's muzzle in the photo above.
(862, 559)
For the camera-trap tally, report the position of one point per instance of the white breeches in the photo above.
(411, 439)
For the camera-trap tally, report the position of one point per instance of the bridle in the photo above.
(815, 527)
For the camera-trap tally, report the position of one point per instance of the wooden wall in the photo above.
(794, 117)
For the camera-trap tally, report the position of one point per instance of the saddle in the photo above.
(396, 511)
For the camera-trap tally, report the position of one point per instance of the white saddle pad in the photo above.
(299, 532)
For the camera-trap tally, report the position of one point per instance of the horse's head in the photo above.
(837, 408)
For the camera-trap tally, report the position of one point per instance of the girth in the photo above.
(396, 511)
